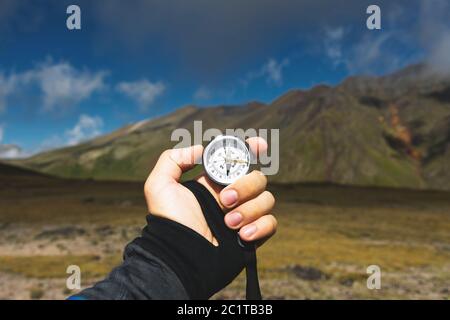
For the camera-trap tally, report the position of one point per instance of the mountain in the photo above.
(392, 130)
(7, 171)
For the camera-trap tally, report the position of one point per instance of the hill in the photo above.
(378, 131)
(327, 236)
(8, 171)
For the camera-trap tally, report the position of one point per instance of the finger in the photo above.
(173, 162)
(257, 145)
(250, 211)
(243, 189)
(262, 228)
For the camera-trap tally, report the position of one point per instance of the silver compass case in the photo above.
(226, 158)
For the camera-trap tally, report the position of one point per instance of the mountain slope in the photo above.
(7, 171)
(384, 131)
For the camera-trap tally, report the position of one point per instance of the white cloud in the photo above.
(60, 85)
(333, 44)
(63, 85)
(370, 54)
(435, 34)
(439, 56)
(53, 142)
(7, 87)
(202, 93)
(142, 91)
(272, 71)
(380, 52)
(86, 128)
(10, 151)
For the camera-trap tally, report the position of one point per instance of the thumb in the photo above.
(173, 162)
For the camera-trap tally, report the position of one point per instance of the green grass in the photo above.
(55, 266)
(337, 230)
(337, 238)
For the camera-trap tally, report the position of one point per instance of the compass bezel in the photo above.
(213, 142)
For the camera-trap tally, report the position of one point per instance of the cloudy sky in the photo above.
(138, 59)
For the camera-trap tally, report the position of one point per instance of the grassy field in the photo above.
(328, 235)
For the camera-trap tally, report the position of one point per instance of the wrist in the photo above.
(202, 267)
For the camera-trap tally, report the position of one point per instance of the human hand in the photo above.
(245, 203)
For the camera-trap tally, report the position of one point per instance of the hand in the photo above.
(246, 204)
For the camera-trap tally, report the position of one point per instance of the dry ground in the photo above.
(327, 237)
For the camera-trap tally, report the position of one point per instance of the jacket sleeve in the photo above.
(141, 276)
(172, 261)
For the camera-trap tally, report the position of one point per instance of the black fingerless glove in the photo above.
(202, 268)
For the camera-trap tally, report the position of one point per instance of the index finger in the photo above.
(257, 145)
(243, 189)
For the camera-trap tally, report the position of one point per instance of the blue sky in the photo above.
(137, 59)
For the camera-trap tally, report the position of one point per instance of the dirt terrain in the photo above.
(328, 235)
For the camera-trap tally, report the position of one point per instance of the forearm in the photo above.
(141, 276)
(172, 261)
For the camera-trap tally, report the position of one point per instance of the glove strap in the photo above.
(202, 194)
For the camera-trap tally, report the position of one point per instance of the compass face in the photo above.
(226, 159)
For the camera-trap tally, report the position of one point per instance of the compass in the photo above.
(226, 159)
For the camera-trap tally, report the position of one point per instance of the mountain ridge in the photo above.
(392, 130)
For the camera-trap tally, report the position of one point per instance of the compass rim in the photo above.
(213, 141)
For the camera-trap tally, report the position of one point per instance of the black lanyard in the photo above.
(253, 291)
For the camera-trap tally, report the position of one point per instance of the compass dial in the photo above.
(226, 159)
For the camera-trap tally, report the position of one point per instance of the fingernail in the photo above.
(228, 197)
(248, 231)
(233, 219)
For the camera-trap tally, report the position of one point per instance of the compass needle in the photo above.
(225, 159)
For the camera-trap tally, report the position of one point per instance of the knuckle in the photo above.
(165, 153)
(261, 178)
(258, 208)
(260, 205)
(251, 185)
(269, 198)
